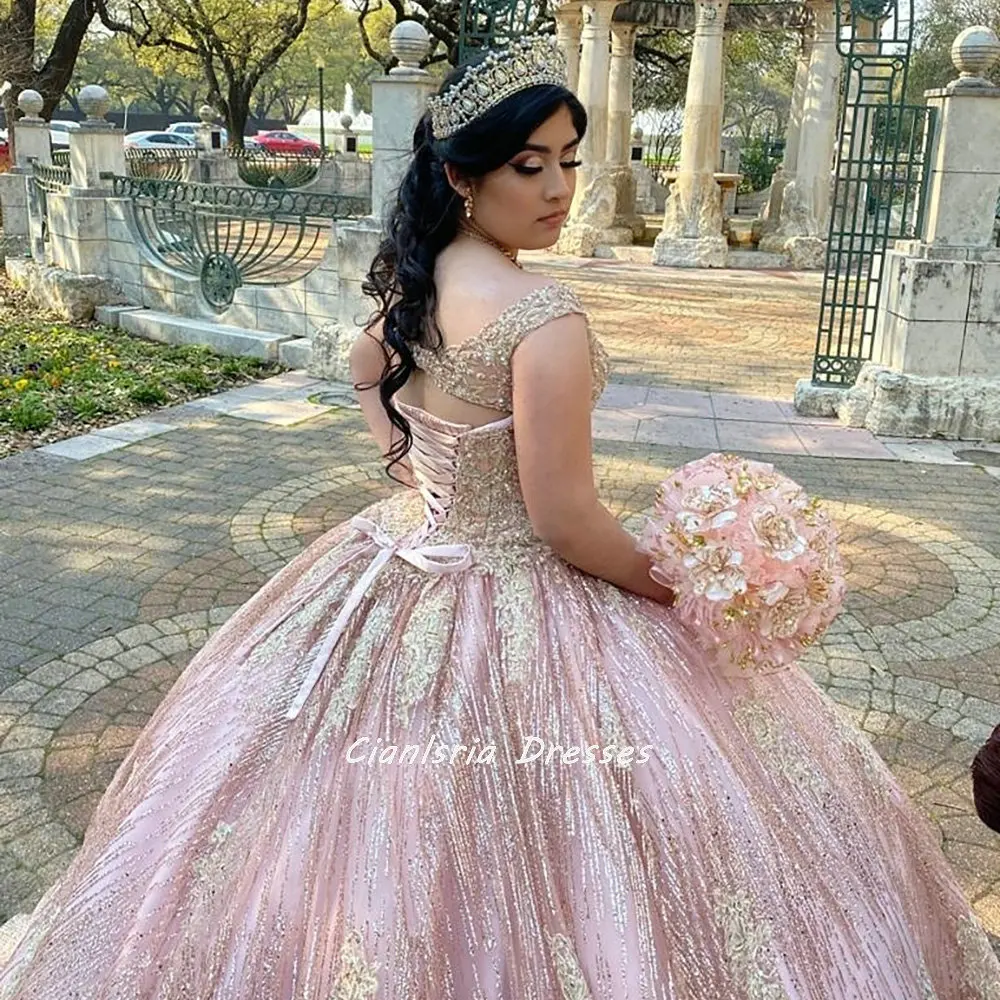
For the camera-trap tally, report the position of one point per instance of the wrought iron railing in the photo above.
(263, 169)
(231, 236)
(159, 164)
(52, 177)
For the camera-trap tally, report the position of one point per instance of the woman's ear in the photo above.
(455, 179)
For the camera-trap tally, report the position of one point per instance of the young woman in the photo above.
(459, 749)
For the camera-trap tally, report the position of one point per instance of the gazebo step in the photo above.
(168, 328)
(757, 260)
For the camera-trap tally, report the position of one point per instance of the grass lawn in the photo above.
(58, 380)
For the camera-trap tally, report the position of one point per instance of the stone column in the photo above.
(772, 211)
(592, 214)
(595, 67)
(692, 224)
(569, 24)
(620, 91)
(805, 202)
(399, 100)
(620, 126)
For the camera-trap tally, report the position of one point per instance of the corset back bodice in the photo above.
(467, 476)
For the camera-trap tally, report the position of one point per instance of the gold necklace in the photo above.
(473, 229)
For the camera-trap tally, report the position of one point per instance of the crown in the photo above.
(529, 61)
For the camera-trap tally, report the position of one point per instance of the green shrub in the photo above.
(29, 413)
(148, 393)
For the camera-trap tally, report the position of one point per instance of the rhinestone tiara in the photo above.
(529, 61)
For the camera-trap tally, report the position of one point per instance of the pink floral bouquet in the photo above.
(752, 558)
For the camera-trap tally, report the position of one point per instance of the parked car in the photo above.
(59, 130)
(157, 140)
(190, 129)
(279, 141)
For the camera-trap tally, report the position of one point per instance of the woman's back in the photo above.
(474, 288)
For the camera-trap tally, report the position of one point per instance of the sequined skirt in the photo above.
(512, 781)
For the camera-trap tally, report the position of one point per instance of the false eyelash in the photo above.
(530, 171)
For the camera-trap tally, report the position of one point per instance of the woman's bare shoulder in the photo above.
(486, 285)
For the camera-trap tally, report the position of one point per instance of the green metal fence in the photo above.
(492, 23)
(879, 181)
(231, 236)
(159, 164)
(262, 169)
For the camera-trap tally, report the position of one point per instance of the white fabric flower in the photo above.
(716, 572)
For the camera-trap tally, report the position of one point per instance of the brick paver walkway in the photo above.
(116, 567)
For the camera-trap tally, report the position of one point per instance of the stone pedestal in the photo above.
(32, 142)
(692, 224)
(398, 103)
(357, 243)
(94, 150)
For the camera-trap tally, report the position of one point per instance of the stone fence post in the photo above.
(32, 145)
(936, 356)
(399, 100)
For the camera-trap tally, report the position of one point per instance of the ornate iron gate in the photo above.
(490, 23)
(878, 191)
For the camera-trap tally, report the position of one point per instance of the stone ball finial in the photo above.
(409, 43)
(637, 135)
(94, 102)
(207, 114)
(346, 121)
(975, 52)
(31, 103)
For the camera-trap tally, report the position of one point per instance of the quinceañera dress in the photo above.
(430, 760)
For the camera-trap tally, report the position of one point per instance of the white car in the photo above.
(59, 130)
(157, 140)
(190, 129)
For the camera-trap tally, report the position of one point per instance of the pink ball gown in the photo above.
(264, 841)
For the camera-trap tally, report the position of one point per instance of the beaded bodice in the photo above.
(478, 369)
(467, 476)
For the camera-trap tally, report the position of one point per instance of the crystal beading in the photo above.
(531, 61)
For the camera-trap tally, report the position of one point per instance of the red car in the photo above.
(277, 141)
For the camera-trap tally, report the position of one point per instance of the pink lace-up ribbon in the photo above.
(433, 460)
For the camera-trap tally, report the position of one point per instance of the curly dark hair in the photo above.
(425, 219)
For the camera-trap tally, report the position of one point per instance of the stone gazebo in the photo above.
(598, 37)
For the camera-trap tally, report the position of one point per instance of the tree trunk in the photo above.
(237, 111)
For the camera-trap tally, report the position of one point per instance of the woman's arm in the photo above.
(552, 389)
(367, 364)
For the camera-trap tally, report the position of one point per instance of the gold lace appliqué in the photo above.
(357, 670)
(212, 866)
(572, 983)
(425, 645)
(927, 991)
(747, 943)
(356, 978)
(781, 753)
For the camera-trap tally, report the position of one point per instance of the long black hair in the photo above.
(425, 219)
